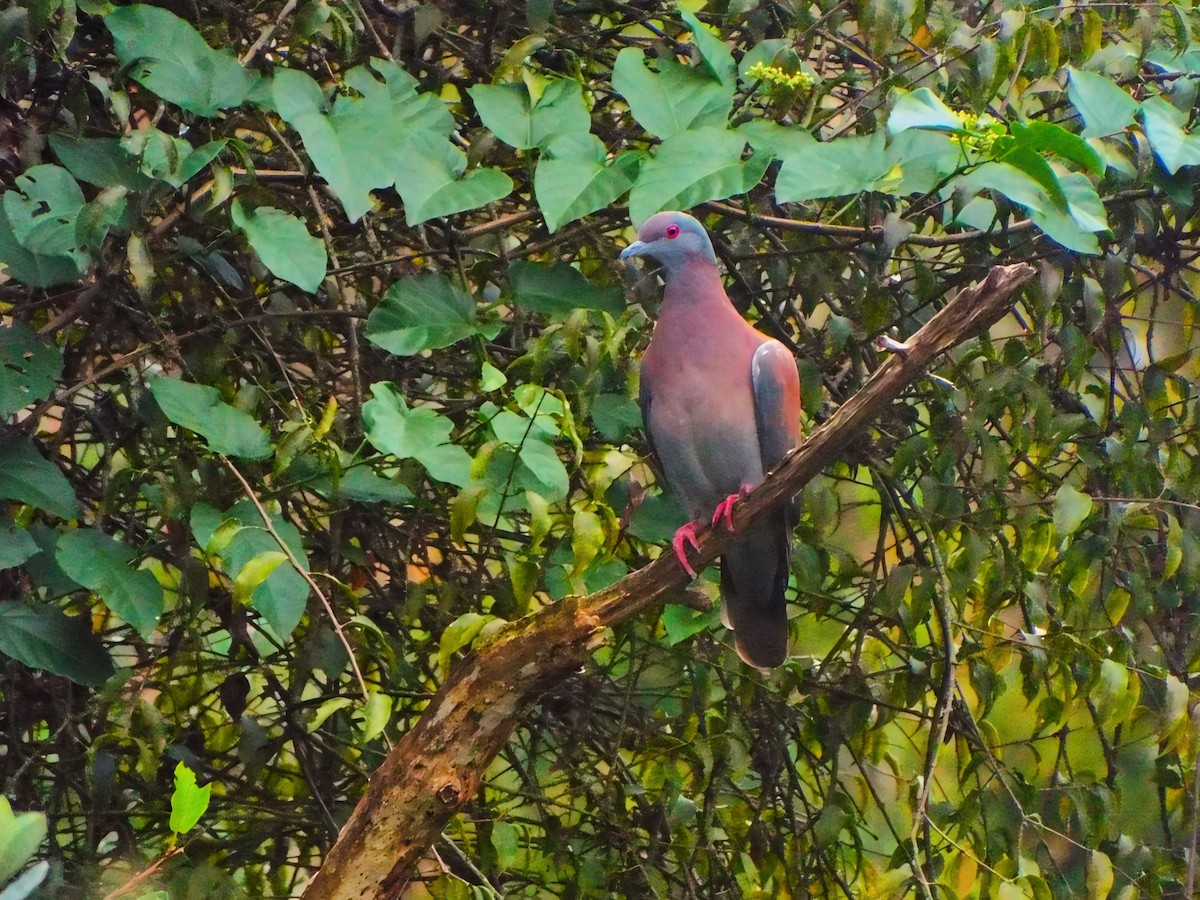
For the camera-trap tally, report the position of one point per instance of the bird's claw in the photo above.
(724, 509)
(685, 535)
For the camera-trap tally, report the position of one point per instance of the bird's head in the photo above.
(675, 239)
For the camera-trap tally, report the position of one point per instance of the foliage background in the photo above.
(312, 309)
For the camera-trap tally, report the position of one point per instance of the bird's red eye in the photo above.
(672, 231)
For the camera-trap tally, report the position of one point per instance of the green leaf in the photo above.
(358, 144)
(506, 841)
(1099, 875)
(616, 415)
(1084, 215)
(848, 165)
(714, 55)
(103, 162)
(673, 100)
(34, 269)
(1111, 691)
(43, 208)
(361, 484)
(418, 433)
(921, 108)
(103, 564)
(1008, 180)
(283, 243)
(37, 228)
(21, 835)
(387, 135)
(425, 312)
(1010, 152)
(1174, 147)
(682, 622)
(44, 638)
(1071, 507)
(694, 167)
(1046, 137)
(27, 477)
(1105, 107)
(572, 179)
(199, 408)
(510, 114)
(188, 801)
(458, 634)
(29, 368)
(431, 183)
(238, 538)
(169, 159)
(926, 159)
(16, 544)
(169, 57)
(257, 570)
(559, 290)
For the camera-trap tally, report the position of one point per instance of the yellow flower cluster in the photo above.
(776, 76)
(984, 130)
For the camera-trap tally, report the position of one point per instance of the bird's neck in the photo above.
(693, 294)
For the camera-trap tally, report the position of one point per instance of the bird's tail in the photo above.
(754, 576)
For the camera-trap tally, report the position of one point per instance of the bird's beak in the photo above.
(637, 248)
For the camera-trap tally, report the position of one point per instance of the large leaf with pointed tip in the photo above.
(28, 477)
(573, 179)
(45, 638)
(199, 408)
(360, 143)
(511, 114)
(1071, 222)
(431, 182)
(419, 433)
(694, 167)
(714, 55)
(559, 290)
(836, 168)
(29, 368)
(103, 565)
(1174, 147)
(673, 99)
(169, 57)
(1105, 107)
(283, 243)
(425, 312)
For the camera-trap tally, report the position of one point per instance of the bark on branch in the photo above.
(437, 766)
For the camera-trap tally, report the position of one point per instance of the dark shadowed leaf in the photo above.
(28, 477)
(45, 638)
(29, 368)
(104, 565)
(559, 290)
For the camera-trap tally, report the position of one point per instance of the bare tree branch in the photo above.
(438, 766)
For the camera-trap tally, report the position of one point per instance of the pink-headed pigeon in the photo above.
(721, 404)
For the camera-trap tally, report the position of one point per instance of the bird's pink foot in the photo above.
(724, 509)
(686, 534)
